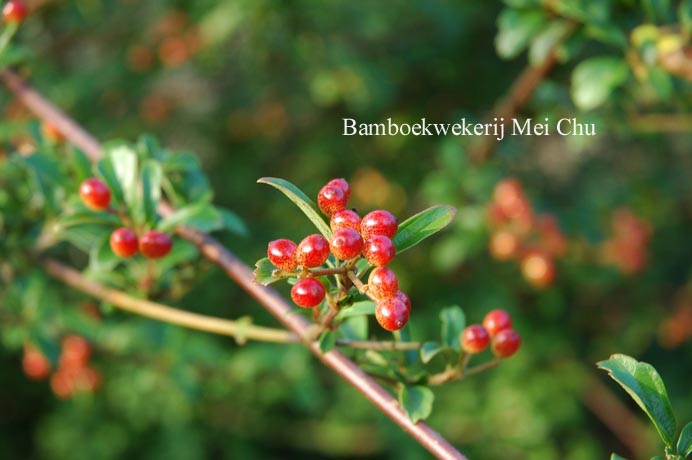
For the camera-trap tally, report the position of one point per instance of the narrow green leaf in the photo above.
(202, 216)
(417, 402)
(453, 322)
(124, 162)
(593, 80)
(232, 222)
(80, 164)
(685, 441)
(615, 456)
(106, 172)
(429, 350)
(327, 341)
(264, 272)
(646, 387)
(301, 200)
(366, 307)
(101, 257)
(422, 225)
(152, 175)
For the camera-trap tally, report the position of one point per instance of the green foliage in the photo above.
(417, 402)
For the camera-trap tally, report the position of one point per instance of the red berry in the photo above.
(313, 251)
(404, 298)
(504, 245)
(14, 11)
(346, 244)
(496, 321)
(35, 364)
(538, 268)
(282, 253)
(474, 339)
(75, 352)
(506, 343)
(95, 194)
(62, 383)
(331, 199)
(155, 245)
(382, 283)
(124, 242)
(307, 293)
(379, 250)
(378, 222)
(392, 313)
(345, 219)
(343, 185)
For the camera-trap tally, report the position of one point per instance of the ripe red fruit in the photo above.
(154, 245)
(14, 11)
(378, 222)
(345, 219)
(474, 339)
(379, 250)
(331, 199)
(504, 245)
(496, 321)
(392, 313)
(313, 251)
(282, 253)
(382, 283)
(506, 343)
(34, 363)
(343, 185)
(404, 298)
(62, 383)
(307, 293)
(75, 352)
(538, 268)
(346, 244)
(124, 242)
(95, 194)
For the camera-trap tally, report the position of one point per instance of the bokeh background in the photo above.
(258, 88)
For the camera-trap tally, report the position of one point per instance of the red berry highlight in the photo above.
(345, 219)
(124, 242)
(282, 253)
(382, 283)
(155, 245)
(14, 11)
(307, 293)
(474, 339)
(379, 250)
(506, 343)
(343, 185)
(313, 251)
(346, 244)
(392, 313)
(404, 298)
(496, 321)
(95, 194)
(379, 222)
(331, 200)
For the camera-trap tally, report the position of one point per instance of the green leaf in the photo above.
(593, 80)
(366, 307)
(646, 387)
(685, 441)
(264, 272)
(453, 322)
(327, 341)
(422, 225)
(124, 163)
(354, 328)
(516, 28)
(615, 456)
(608, 33)
(202, 216)
(417, 402)
(429, 350)
(547, 40)
(232, 222)
(685, 17)
(101, 256)
(80, 164)
(301, 200)
(152, 175)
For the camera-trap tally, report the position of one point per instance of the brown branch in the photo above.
(238, 271)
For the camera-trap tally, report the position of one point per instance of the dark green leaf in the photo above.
(516, 28)
(422, 225)
(264, 272)
(417, 402)
(202, 216)
(453, 322)
(594, 79)
(301, 200)
(151, 189)
(232, 222)
(366, 307)
(429, 350)
(646, 387)
(685, 441)
(354, 328)
(101, 257)
(80, 165)
(327, 341)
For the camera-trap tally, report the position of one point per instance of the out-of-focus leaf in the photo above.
(429, 350)
(151, 189)
(354, 328)
(516, 29)
(232, 222)
(615, 456)
(202, 216)
(101, 257)
(264, 272)
(595, 79)
(684, 445)
(608, 33)
(422, 225)
(80, 164)
(327, 341)
(685, 17)
(453, 322)
(123, 160)
(366, 307)
(547, 40)
(417, 402)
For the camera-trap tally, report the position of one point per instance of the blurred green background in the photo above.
(258, 88)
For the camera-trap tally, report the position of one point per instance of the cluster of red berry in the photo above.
(14, 11)
(518, 233)
(627, 248)
(73, 373)
(496, 327)
(124, 242)
(352, 238)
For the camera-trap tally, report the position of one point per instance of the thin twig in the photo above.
(362, 288)
(379, 345)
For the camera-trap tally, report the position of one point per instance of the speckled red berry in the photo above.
(382, 283)
(378, 222)
(392, 313)
(496, 321)
(345, 219)
(474, 339)
(14, 11)
(343, 185)
(95, 194)
(346, 244)
(307, 293)
(313, 251)
(331, 199)
(124, 242)
(506, 343)
(379, 250)
(155, 245)
(282, 253)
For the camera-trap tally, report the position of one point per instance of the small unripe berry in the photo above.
(382, 283)
(154, 245)
(392, 313)
(496, 321)
(343, 185)
(538, 268)
(379, 250)
(331, 200)
(474, 339)
(35, 364)
(313, 251)
(95, 194)
(282, 253)
(345, 219)
(14, 11)
(124, 242)
(378, 222)
(307, 293)
(346, 244)
(506, 343)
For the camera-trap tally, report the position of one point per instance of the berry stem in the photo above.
(480, 368)
(362, 288)
(448, 375)
(379, 345)
(328, 271)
